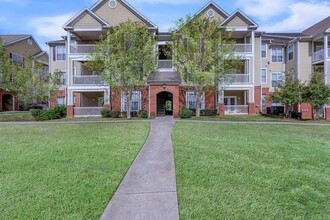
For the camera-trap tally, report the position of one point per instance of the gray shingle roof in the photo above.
(12, 37)
(318, 28)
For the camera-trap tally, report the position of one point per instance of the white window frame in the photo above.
(271, 80)
(291, 45)
(230, 97)
(17, 59)
(63, 57)
(62, 102)
(264, 100)
(262, 50)
(277, 49)
(193, 106)
(136, 97)
(263, 82)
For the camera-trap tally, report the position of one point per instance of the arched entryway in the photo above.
(7, 102)
(164, 104)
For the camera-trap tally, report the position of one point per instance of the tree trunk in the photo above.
(128, 104)
(198, 104)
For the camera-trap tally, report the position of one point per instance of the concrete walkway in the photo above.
(148, 190)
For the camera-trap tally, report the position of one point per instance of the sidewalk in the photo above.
(148, 190)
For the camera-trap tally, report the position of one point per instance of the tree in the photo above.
(125, 58)
(289, 92)
(6, 67)
(316, 93)
(28, 79)
(202, 52)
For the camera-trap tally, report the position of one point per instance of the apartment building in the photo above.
(20, 48)
(264, 57)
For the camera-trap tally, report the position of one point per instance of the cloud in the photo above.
(50, 27)
(302, 15)
(264, 9)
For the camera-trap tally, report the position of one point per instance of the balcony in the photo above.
(236, 110)
(82, 49)
(165, 64)
(241, 48)
(87, 111)
(237, 79)
(319, 55)
(87, 80)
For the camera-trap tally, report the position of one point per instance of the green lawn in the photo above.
(16, 116)
(252, 171)
(64, 171)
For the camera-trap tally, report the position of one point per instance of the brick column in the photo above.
(252, 110)
(70, 111)
(106, 106)
(221, 109)
(327, 113)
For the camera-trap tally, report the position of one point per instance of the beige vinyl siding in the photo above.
(305, 55)
(22, 48)
(117, 15)
(43, 58)
(257, 57)
(329, 72)
(291, 65)
(237, 21)
(271, 67)
(87, 21)
(217, 16)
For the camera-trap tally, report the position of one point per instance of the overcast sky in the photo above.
(44, 18)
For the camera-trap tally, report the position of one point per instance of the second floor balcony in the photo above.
(241, 48)
(319, 55)
(87, 80)
(237, 79)
(82, 49)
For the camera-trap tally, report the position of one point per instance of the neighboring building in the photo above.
(20, 48)
(265, 57)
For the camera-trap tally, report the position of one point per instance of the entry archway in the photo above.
(164, 104)
(7, 103)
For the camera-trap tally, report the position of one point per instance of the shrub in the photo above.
(209, 112)
(134, 114)
(114, 114)
(186, 113)
(143, 114)
(54, 113)
(105, 113)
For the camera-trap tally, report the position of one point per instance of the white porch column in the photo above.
(326, 58)
(253, 40)
(70, 97)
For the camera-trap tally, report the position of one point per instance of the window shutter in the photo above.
(54, 53)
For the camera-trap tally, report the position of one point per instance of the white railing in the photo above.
(87, 111)
(319, 55)
(237, 79)
(82, 49)
(241, 48)
(165, 64)
(236, 109)
(87, 80)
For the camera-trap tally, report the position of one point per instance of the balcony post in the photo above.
(253, 40)
(326, 58)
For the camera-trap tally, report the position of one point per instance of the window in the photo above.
(277, 104)
(263, 50)
(61, 101)
(277, 79)
(60, 53)
(136, 102)
(191, 100)
(264, 101)
(17, 59)
(263, 75)
(290, 52)
(63, 79)
(277, 55)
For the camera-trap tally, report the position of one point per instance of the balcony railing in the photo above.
(87, 80)
(236, 109)
(82, 49)
(319, 55)
(237, 79)
(87, 111)
(241, 48)
(165, 64)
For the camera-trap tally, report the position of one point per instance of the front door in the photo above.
(164, 104)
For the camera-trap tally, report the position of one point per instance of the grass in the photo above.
(253, 118)
(252, 171)
(64, 171)
(16, 116)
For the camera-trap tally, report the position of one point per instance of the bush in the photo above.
(186, 113)
(134, 114)
(114, 114)
(54, 113)
(209, 112)
(105, 113)
(143, 114)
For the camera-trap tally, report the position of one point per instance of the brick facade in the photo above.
(327, 113)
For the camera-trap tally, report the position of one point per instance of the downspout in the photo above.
(260, 58)
(298, 68)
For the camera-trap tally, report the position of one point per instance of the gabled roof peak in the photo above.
(222, 12)
(243, 16)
